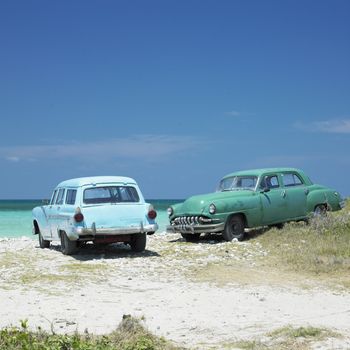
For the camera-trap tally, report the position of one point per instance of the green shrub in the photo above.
(130, 335)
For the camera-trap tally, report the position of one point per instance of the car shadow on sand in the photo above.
(212, 238)
(255, 233)
(204, 239)
(111, 251)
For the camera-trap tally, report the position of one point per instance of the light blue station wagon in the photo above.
(101, 209)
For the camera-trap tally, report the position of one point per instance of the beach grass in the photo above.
(302, 253)
(288, 337)
(319, 249)
(131, 334)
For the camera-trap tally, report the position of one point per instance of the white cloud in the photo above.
(233, 113)
(13, 159)
(336, 126)
(140, 147)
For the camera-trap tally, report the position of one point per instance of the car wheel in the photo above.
(68, 247)
(43, 243)
(191, 237)
(320, 210)
(234, 228)
(138, 242)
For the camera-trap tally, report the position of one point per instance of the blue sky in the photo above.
(173, 93)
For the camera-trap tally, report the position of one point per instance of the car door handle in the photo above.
(283, 193)
(306, 191)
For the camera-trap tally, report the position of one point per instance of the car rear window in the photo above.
(110, 194)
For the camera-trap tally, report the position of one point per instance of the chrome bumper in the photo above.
(342, 204)
(116, 231)
(183, 228)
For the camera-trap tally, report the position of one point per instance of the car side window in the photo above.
(60, 196)
(70, 197)
(270, 181)
(52, 201)
(291, 180)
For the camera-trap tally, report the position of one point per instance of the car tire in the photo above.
(191, 237)
(320, 211)
(234, 228)
(138, 242)
(68, 247)
(43, 243)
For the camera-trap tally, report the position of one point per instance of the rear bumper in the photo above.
(209, 228)
(115, 231)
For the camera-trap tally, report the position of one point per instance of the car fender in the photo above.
(65, 223)
(249, 207)
(316, 197)
(40, 222)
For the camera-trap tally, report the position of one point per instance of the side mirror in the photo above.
(45, 202)
(264, 190)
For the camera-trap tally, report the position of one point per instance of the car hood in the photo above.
(199, 204)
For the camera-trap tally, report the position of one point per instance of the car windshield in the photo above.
(237, 183)
(110, 194)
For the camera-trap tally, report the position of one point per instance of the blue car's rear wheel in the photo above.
(234, 228)
(138, 242)
(68, 247)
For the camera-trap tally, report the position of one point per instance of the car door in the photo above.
(47, 211)
(296, 195)
(273, 200)
(55, 213)
(43, 217)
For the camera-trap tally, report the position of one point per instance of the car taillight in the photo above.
(78, 216)
(152, 214)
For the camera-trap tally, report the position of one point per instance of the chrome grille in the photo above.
(187, 220)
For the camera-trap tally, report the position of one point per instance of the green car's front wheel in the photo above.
(234, 228)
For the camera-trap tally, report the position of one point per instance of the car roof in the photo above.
(259, 172)
(95, 180)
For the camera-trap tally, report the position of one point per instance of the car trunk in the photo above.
(114, 215)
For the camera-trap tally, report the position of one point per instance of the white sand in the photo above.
(156, 285)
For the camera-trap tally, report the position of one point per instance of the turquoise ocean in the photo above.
(16, 216)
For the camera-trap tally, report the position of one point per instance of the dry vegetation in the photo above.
(304, 253)
(287, 338)
(318, 250)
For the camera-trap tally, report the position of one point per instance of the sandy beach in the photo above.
(203, 295)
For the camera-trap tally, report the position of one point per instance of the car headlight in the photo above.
(170, 211)
(212, 208)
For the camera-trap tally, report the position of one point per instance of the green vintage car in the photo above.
(249, 199)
